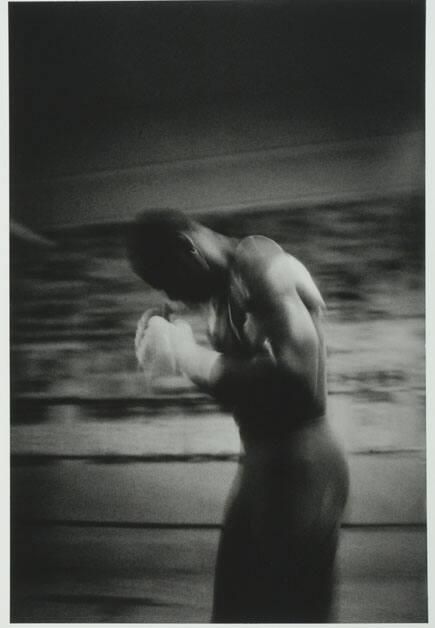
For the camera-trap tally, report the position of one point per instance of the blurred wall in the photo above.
(119, 106)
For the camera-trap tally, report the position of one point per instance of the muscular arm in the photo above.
(286, 304)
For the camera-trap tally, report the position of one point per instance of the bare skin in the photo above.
(276, 554)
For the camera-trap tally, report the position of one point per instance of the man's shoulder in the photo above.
(256, 249)
(260, 263)
(254, 257)
(263, 254)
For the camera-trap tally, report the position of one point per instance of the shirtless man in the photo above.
(267, 364)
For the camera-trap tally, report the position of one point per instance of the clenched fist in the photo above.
(161, 345)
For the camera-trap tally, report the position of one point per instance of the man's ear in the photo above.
(185, 244)
(189, 253)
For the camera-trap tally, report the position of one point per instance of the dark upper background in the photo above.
(90, 81)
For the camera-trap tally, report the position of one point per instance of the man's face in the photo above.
(191, 278)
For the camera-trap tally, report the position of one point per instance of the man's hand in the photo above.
(158, 340)
(141, 333)
(154, 346)
(182, 338)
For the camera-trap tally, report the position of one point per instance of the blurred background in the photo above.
(301, 120)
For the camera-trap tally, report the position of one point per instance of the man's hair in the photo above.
(152, 238)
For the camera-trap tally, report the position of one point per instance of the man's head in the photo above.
(173, 253)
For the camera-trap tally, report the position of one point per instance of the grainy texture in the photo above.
(385, 488)
(117, 575)
(314, 137)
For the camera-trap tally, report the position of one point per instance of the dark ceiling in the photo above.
(117, 55)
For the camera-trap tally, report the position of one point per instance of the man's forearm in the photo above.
(226, 378)
(197, 363)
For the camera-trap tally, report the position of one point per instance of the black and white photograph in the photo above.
(217, 218)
